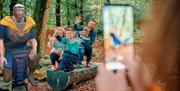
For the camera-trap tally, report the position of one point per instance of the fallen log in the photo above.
(59, 80)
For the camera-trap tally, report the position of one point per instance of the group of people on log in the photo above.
(69, 45)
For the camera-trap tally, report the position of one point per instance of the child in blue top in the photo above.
(57, 47)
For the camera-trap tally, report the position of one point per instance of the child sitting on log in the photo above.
(57, 47)
(70, 55)
(82, 37)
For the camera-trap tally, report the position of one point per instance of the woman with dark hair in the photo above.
(161, 49)
(162, 44)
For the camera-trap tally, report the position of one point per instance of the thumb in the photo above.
(2, 67)
(30, 57)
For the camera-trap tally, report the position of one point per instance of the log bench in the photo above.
(59, 80)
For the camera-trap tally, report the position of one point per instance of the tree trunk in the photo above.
(1, 7)
(75, 6)
(68, 13)
(58, 13)
(41, 17)
(81, 10)
(25, 6)
(13, 2)
(108, 1)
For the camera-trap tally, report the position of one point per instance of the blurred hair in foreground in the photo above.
(161, 46)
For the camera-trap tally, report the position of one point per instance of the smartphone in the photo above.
(118, 25)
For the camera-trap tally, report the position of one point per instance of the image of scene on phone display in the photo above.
(118, 26)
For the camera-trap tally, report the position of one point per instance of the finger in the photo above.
(5, 61)
(100, 72)
(122, 77)
(36, 54)
(1, 66)
(101, 69)
(30, 57)
(120, 73)
(137, 58)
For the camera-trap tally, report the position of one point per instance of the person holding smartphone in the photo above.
(161, 47)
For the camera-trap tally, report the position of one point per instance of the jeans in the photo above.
(54, 57)
(81, 54)
(68, 60)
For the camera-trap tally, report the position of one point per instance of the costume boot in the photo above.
(31, 78)
(7, 76)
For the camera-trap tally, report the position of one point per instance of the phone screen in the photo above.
(118, 26)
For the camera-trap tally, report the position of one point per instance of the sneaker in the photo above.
(53, 67)
(88, 66)
(69, 69)
(20, 88)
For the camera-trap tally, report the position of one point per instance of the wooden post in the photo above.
(108, 1)
(1, 7)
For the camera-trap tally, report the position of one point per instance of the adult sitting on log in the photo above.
(92, 34)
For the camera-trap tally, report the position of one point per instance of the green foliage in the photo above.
(92, 9)
(141, 8)
(71, 9)
(52, 16)
(29, 6)
(6, 10)
(39, 12)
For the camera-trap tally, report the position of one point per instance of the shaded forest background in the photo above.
(51, 13)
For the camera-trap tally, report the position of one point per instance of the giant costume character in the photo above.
(15, 33)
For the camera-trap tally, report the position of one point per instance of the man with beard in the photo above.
(92, 35)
